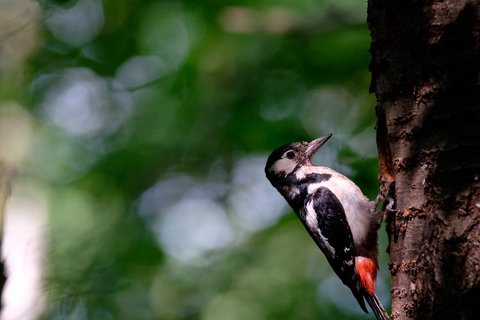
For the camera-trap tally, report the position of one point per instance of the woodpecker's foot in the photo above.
(390, 204)
(389, 200)
(387, 203)
(377, 200)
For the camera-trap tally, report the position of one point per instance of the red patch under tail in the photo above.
(367, 270)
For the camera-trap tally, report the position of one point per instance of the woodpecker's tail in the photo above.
(377, 307)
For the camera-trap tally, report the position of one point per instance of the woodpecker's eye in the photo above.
(290, 154)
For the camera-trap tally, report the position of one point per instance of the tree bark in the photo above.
(425, 73)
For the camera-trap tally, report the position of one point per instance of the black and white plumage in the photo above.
(338, 217)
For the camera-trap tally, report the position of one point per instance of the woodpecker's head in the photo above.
(292, 156)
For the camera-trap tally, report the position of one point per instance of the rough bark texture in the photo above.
(425, 74)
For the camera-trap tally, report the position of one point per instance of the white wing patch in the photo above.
(311, 216)
(312, 222)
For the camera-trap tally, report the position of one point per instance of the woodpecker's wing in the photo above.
(326, 222)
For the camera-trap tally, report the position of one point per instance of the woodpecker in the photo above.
(339, 218)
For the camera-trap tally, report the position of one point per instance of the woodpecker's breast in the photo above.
(357, 207)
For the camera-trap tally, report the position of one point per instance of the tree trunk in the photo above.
(425, 74)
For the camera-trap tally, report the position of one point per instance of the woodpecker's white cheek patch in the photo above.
(283, 166)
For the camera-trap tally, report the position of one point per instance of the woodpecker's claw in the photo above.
(388, 201)
(389, 207)
(377, 200)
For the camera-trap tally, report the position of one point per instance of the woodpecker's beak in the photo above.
(313, 146)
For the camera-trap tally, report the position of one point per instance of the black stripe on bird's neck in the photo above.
(295, 190)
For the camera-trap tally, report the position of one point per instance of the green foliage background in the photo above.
(149, 123)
